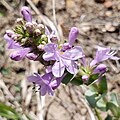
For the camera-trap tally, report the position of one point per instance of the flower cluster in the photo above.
(34, 41)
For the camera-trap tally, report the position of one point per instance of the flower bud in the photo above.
(44, 38)
(41, 26)
(31, 56)
(40, 47)
(37, 32)
(14, 37)
(9, 32)
(73, 35)
(65, 46)
(19, 21)
(53, 38)
(26, 14)
(29, 27)
(85, 78)
(20, 54)
(100, 69)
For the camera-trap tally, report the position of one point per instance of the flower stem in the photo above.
(98, 114)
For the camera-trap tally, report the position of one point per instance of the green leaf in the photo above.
(91, 98)
(67, 78)
(102, 85)
(114, 99)
(101, 104)
(77, 81)
(113, 105)
(8, 112)
(114, 109)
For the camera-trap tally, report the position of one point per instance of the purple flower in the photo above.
(103, 54)
(26, 14)
(63, 60)
(85, 78)
(73, 35)
(100, 69)
(11, 43)
(47, 85)
(32, 56)
(52, 38)
(20, 53)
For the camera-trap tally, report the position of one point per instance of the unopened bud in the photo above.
(41, 27)
(53, 38)
(31, 56)
(19, 21)
(100, 69)
(23, 40)
(40, 47)
(85, 78)
(26, 14)
(14, 37)
(66, 46)
(9, 32)
(73, 35)
(34, 23)
(44, 38)
(37, 32)
(29, 27)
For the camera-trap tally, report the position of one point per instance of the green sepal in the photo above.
(92, 78)
(67, 78)
(77, 81)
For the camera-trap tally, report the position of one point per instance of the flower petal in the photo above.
(19, 54)
(100, 69)
(71, 66)
(35, 78)
(103, 54)
(48, 56)
(47, 77)
(51, 47)
(11, 43)
(73, 54)
(58, 68)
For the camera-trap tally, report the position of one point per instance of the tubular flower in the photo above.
(26, 14)
(103, 54)
(46, 82)
(71, 38)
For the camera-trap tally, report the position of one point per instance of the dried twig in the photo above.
(7, 5)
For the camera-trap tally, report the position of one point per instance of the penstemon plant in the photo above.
(64, 63)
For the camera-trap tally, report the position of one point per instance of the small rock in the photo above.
(109, 27)
(103, 30)
(83, 111)
(85, 28)
(108, 4)
(108, 13)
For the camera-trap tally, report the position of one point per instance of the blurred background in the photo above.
(98, 22)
